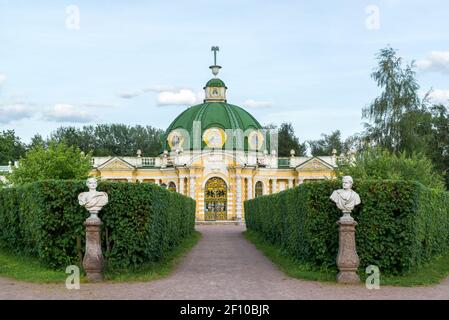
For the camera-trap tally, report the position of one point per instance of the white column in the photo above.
(290, 183)
(181, 185)
(238, 203)
(274, 186)
(282, 186)
(192, 187)
(250, 189)
(266, 187)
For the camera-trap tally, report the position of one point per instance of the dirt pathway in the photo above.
(224, 265)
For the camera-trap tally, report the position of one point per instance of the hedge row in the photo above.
(401, 224)
(141, 222)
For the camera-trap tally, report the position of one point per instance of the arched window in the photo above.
(172, 186)
(163, 185)
(259, 189)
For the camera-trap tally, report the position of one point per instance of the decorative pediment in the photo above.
(314, 164)
(116, 164)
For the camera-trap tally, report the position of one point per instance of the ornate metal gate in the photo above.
(215, 199)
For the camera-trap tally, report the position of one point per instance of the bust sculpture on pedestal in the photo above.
(347, 260)
(346, 198)
(93, 201)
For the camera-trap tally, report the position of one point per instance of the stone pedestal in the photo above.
(93, 261)
(347, 259)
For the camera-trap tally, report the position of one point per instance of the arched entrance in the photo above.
(215, 200)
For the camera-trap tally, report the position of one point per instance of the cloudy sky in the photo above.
(143, 62)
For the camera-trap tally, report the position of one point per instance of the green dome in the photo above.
(212, 115)
(215, 82)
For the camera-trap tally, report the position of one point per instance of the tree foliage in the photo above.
(328, 143)
(399, 118)
(377, 163)
(287, 140)
(112, 139)
(11, 148)
(438, 149)
(58, 161)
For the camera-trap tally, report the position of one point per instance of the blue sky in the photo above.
(144, 62)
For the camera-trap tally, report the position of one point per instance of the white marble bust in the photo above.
(346, 198)
(93, 200)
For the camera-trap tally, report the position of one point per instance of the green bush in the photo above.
(141, 222)
(401, 224)
(376, 163)
(57, 161)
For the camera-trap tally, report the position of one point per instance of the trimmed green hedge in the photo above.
(401, 224)
(141, 222)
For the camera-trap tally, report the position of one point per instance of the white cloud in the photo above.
(200, 96)
(250, 103)
(67, 113)
(178, 98)
(153, 88)
(168, 95)
(158, 88)
(440, 96)
(15, 111)
(2, 78)
(437, 61)
(129, 95)
(99, 105)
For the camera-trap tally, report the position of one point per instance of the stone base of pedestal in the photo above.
(93, 259)
(348, 277)
(94, 276)
(347, 259)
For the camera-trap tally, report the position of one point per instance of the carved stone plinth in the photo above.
(347, 259)
(93, 261)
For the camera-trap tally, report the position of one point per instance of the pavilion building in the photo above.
(218, 154)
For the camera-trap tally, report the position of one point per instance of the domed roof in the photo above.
(220, 115)
(215, 82)
(216, 117)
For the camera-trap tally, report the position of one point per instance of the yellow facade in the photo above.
(189, 174)
(201, 148)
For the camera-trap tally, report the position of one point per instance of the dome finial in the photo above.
(215, 68)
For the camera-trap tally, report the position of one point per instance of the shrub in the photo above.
(401, 224)
(376, 163)
(141, 222)
(58, 161)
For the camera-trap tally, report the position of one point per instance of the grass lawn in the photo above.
(31, 270)
(27, 269)
(430, 274)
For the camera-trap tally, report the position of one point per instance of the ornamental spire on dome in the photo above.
(215, 68)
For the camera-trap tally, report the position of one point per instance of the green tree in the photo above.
(399, 118)
(377, 163)
(287, 140)
(325, 145)
(112, 139)
(439, 144)
(11, 148)
(36, 141)
(58, 161)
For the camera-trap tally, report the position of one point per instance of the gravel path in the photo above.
(222, 266)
